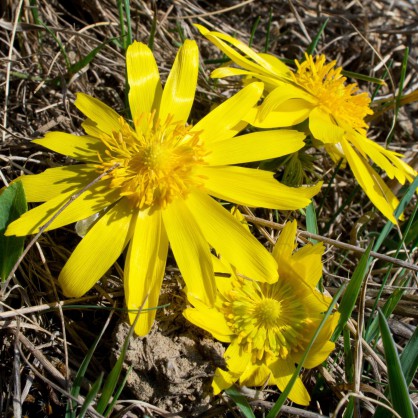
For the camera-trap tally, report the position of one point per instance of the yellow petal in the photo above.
(180, 88)
(144, 81)
(372, 184)
(282, 372)
(191, 251)
(323, 128)
(286, 243)
(308, 264)
(230, 239)
(92, 201)
(144, 268)
(58, 180)
(255, 375)
(211, 320)
(97, 251)
(83, 148)
(222, 380)
(290, 113)
(226, 120)
(256, 62)
(256, 146)
(237, 358)
(256, 188)
(106, 119)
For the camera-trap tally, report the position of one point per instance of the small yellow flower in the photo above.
(269, 325)
(317, 91)
(159, 191)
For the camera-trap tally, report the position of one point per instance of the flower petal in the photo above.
(58, 180)
(372, 184)
(282, 372)
(237, 357)
(307, 263)
(256, 188)
(191, 251)
(211, 320)
(286, 243)
(222, 380)
(226, 120)
(256, 63)
(323, 128)
(83, 148)
(91, 201)
(230, 239)
(106, 119)
(144, 268)
(180, 88)
(144, 81)
(97, 251)
(256, 146)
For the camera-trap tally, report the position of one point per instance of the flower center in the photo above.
(155, 166)
(268, 319)
(327, 84)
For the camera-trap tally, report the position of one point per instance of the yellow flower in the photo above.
(269, 325)
(317, 91)
(159, 191)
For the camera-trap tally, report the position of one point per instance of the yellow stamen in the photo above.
(156, 166)
(327, 84)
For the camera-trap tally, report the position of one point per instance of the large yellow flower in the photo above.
(158, 192)
(269, 325)
(317, 91)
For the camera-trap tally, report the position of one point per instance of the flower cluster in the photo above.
(156, 180)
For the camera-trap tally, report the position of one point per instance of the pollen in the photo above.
(340, 100)
(156, 165)
(268, 319)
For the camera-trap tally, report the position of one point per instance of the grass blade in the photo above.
(91, 396)
(311, 48)
(353, 289)
(397, 385)
(409, 358)
(241, 402)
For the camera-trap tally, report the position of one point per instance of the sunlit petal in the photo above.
(256, 146)
(256, 188)
(83, 148)
(180, 88)
(97, 251)
(191, 251)
(144, 268)
(323, 128)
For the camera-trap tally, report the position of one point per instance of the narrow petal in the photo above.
(211, 320)
(372, 184)
(290, 113)
(82, 148)
(90, 202)
(226, 120)
(282, 372)
(323, 128)
(286, 243)
(231, 239)
(256, 62)
(180, 88)
(237, 358)
(144, 268)
(256, 146)
(106, 119)
(56, 181)
(97, 251)
(144, 81)
(191, 251)
(256, 188)
(308, 264)
(222, 380)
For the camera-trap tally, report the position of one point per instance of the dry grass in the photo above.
(43, 342)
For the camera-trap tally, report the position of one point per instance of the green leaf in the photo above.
(240, 401)
(311, 224)
(311, 48)
(12, 205)
(349, 299)
(397, 385)
(409, 358)
(91, 396)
